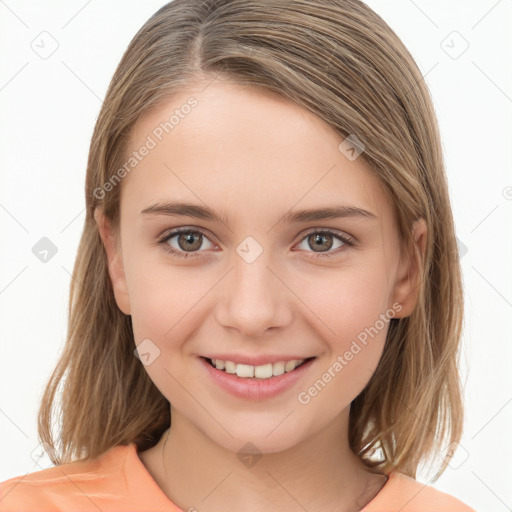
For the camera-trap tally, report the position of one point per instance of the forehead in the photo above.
(244, 146)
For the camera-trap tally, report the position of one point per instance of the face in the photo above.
(258, 281)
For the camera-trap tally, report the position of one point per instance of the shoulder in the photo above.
(77, 485)
(405, 494)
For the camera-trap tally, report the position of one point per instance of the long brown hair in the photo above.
(341, 61)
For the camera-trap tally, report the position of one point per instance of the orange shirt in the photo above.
(118, 481)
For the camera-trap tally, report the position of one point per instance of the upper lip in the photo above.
(256, 360)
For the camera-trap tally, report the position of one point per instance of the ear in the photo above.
(115, 260)
(407, 284)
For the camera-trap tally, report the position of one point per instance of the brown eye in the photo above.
(321, 242)
(188, 242)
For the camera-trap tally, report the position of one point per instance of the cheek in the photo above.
(349, 300)
(163, 302)
(353, 351)
(352, 314)
(168, 305)
(162, 298)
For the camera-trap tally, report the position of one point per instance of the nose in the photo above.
(253, 297)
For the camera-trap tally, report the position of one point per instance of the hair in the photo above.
(341, 61)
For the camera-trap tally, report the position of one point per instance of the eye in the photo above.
(187, 239)
(189, 242)
(323, 240)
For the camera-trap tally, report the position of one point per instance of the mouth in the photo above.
(256, 383)
(262, 372)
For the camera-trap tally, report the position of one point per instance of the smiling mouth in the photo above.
(258, 372)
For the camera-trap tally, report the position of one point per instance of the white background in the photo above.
(49, 107)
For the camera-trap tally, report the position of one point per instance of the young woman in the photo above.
(267, 307)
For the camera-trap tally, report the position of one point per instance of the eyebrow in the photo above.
(185, 209)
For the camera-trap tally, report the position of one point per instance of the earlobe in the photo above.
(115, 261)
(408, 279)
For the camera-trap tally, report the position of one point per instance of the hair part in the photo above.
(341, 61)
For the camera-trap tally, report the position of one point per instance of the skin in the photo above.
(256, 156)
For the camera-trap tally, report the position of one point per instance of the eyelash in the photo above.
(347, 241)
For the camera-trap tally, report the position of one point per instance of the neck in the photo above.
(320, 473)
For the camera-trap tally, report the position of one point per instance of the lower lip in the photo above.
(253, 388)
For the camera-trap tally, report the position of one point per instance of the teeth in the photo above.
(244, 370)
(218, 364)
(290, 365)
(229, 365)
(264, 371)
(278, 368)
